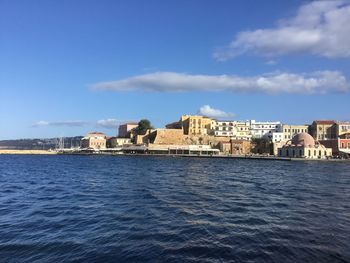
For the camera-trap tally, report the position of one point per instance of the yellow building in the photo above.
(197, 125)
(95, 140)
(290, 130)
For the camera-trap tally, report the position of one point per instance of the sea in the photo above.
(66, 208)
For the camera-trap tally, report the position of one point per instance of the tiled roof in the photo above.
(325, 122)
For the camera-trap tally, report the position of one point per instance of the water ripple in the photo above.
(159, 209)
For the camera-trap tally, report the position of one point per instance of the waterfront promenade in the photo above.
(221, 156)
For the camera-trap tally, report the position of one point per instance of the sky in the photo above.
(70, 67)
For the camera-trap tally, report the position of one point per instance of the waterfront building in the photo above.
(342, 127)
(323, 130)
(276, 146)
(197, 125)
(239, 130)
(236, 147)
(124, 130)
(171, 149)
(273, 136)
(259, 129)
(114, 142)
(344, 145)
(339, 145)
(94, 140)
(225, 128)
(303, 145)
(289, 131)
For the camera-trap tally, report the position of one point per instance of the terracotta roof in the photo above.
(97, 133)
(325, 122)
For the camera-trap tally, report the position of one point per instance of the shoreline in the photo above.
(249, 157)
(35, 152)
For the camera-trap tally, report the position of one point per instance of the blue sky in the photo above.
(69, 67)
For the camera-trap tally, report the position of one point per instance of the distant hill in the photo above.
(39, 144)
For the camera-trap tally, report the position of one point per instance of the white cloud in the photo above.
(271, 62)
(316, 82)
(208, 111)
(60, 123)
(108, 123)
(105, 123)
(319, 28)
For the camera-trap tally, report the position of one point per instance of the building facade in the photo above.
(125, 129)
(323, 130)
(94, 140)
(342, 127)
(259, 129)
(197, 125)
(303, 145)
(274, 136)
(239, 130)
(236, 147)
(289, 131)
(114, 142)
(344, 145)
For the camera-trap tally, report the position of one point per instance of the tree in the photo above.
(143, 126)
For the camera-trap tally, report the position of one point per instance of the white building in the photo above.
(225, 128)
(260, 129)
(274, 136)
(239, 130)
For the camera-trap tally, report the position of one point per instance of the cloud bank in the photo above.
(319, 82)
(108, 123)
(105, 123)
(319, 28)
(208, 111)
(69, 123)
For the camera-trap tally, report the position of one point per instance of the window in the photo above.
(300, 152)
(287, 152)
(309, 152)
